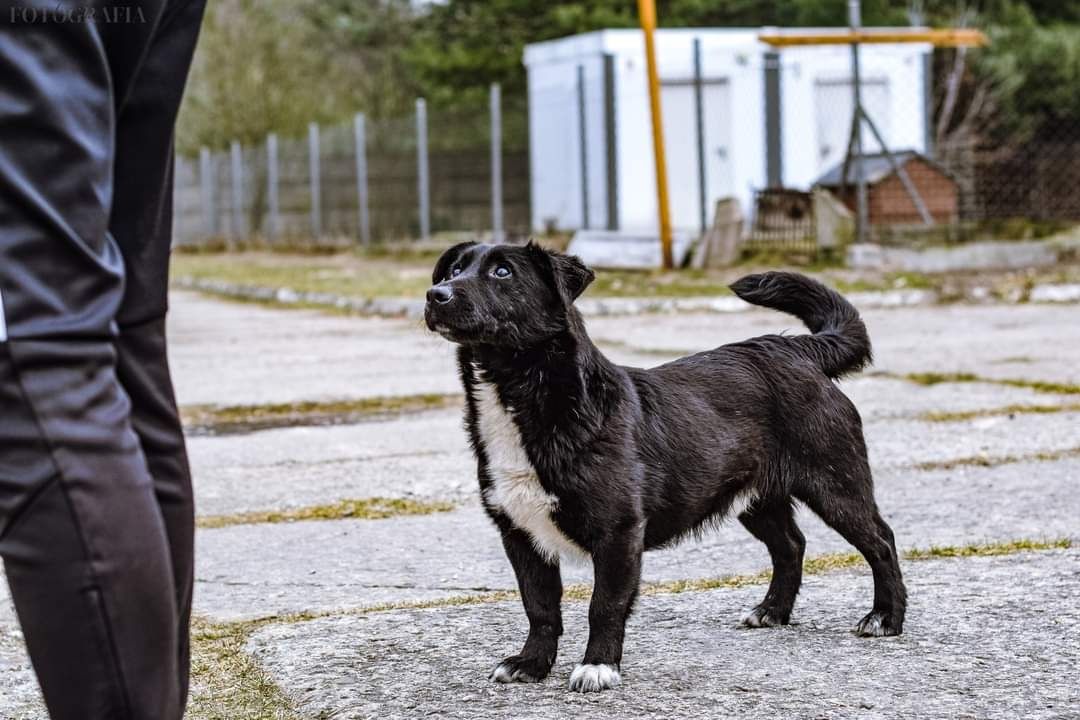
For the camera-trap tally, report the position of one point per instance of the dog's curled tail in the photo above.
(839, 344)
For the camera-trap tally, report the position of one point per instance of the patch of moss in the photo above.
(1042, 386)
(247, 418)
(998, 412)
(828, 563)
(936, 378)
(996, 460)
(226, 682)
(364, 509)
(987, 549)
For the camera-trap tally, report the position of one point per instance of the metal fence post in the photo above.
(774, 155)
(610, 143)
(583, 147)
(206, 189)
(699, 127)
(423, 184)
(179, 227)
(862, 210)
(236, 178)
(496, 165)
(363, 217)
(928, 103)
(315, 177)
(273, 222)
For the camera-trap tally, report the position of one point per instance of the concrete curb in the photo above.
(595, 307)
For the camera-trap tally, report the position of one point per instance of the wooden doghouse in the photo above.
(887, 200)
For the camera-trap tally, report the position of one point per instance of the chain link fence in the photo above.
(368, 181)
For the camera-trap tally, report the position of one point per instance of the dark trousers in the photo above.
(96, 515)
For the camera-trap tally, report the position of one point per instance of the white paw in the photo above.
(759, 618)
(594, 678)
(503, 673)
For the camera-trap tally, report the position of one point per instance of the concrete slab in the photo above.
(985, 638)
(259, 570)
(232, 353)
(424, 454)
(427, 455)
(229, 353)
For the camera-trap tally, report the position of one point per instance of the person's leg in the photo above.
(81, 532)
(82, 539)
(142, 225)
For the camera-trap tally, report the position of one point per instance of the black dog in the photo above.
(579, 456)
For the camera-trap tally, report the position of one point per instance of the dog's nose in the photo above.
(440, 294)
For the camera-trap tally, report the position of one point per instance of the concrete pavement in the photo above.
(997, 473)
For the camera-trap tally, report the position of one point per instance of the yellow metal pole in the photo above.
(647, 13)
(955, 37)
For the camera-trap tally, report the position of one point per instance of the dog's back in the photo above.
(723, 427)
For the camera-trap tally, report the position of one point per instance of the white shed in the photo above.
(769, 118)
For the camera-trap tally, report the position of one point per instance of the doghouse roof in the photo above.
(876, 167)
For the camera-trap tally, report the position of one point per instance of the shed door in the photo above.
(681, 149)
(833, 108)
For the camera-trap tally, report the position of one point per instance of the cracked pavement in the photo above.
(987, 637)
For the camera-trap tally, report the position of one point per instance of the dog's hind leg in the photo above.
(541, 592)
(852, 512)
(773, 523)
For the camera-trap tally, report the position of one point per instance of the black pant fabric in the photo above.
(96, 512)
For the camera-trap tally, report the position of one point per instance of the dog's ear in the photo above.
(570, 274)
(447, 260)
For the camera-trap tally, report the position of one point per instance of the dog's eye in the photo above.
(502, 272)
(455, 271)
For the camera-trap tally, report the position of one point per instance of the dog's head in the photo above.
(503, 295)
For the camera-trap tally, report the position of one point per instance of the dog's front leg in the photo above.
(617, 570)
(540, 584)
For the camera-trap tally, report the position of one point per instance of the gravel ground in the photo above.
(985, 638)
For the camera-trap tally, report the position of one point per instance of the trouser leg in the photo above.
(82, 538)
(141, 223)
(97, 552)
(144, 373)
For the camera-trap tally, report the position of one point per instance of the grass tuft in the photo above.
(936, 378)
(996, 460)
(247, 418)
(226, 682)
(987, 550)
(1008, 410)
(363, 509)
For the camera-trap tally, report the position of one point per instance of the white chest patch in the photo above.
(515, 488)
